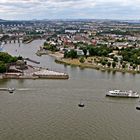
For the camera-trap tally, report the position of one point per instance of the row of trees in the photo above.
(131, 55)
(99, 51)
(93, 51)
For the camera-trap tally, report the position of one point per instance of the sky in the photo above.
(69, 9)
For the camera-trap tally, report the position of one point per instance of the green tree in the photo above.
(82, 60)
(66, 54)
(85, 51)
(121, 61)
(134, 66)
(123, 65)
(131, 64)
(73, 54)
(6, 58)
(103, 62)
(70, 54)
(115, 59)
(108, 64)
(113, 64)
(2, 67)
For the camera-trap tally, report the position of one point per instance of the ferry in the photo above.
(120, 93)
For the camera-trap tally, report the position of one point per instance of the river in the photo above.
(48, 109)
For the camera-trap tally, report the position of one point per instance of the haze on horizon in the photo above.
(69, 9)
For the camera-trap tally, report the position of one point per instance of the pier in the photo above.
(34, 61)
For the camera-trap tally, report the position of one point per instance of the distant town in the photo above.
(111, 45)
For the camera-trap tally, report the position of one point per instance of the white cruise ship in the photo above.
(120, 93)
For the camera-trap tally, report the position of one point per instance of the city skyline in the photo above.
(69, 9)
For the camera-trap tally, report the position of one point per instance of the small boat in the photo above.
(81, 104)
(138, 107)
(11, 90)
(120, 93)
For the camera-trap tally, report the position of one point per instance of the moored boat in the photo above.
(120, 93)
(138, 107)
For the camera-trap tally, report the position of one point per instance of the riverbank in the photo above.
(75, 62)
(90, 62)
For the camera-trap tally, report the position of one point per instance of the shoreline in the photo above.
(59, 59)
(35, 73)
(92, 66)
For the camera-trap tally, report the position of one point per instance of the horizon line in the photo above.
(70, 19)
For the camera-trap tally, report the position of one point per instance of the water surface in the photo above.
(48, 109)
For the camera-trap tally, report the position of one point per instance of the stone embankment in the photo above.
(50, 74)
(35, 73)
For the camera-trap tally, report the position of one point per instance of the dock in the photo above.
(31, 60)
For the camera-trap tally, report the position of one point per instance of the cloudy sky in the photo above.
(69, 9)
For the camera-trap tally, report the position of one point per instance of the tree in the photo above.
(2, 67)
(131, 64)
(82, 60)
(115, 59)
(121, 62)
(134, 66)
(6, 58)
(108, 64)
(123, 65)
(85, 51)
(103, 62)
(70, 54)
(92, 51)
(113, 64)
(20, 57)
(66, 54)
(73, 54)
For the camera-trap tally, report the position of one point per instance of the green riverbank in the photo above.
(75, 62)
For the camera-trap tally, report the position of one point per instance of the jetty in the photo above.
(31, 60)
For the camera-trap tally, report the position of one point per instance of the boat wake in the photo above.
(24, 89)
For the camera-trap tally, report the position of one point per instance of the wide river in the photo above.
(48, 109)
